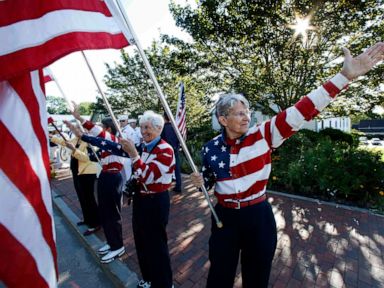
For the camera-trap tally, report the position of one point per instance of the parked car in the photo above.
(363, 141)
(376, 142)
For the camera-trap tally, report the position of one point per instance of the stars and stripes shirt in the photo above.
(154, 169)
(108, 161)
(239, 169)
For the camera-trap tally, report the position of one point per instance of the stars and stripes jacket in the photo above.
(239, 169)
(109, 162)
(154, 168)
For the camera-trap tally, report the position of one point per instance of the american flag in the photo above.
(181, 112)
(32, 39)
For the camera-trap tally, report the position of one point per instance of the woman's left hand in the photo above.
(361, 64)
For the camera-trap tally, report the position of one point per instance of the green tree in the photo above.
(130, 89)
(249, 47)
(56, 105)
(85, 108)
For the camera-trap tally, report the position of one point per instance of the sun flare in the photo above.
(301, 27)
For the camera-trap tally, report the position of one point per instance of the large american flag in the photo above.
(181, 112)
(34, 34)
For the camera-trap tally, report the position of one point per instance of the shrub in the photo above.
(328, 170)
(195, 141)
(338, 136)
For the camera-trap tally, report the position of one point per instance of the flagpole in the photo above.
(59, 87)
(61, 134)
(106, 102)
(166, 107)
(71, 108)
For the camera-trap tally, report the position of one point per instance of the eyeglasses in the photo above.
(241, 114)
(122, 120)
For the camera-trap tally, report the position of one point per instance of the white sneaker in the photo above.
(112, 255)
(143, 284)
(104, 250)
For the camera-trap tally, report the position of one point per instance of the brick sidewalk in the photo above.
(319, 245)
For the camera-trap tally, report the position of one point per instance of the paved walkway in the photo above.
(77, 268)
(319, 245)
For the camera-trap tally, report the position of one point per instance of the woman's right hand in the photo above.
(73, 128)
(70, 145)
(197, 179)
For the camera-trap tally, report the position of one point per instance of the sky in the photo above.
(148, 18)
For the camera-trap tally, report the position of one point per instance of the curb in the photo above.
(117, 271)
(322, 202)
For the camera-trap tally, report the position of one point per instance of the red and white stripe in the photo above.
(27, 239)
(155, 169)
(250, 159)
(45, 31)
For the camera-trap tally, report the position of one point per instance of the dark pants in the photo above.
(177, 171)
(149, 221)
(249, 232)
(110, 197)
(86, 185)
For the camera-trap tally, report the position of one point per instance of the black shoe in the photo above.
(81, 223)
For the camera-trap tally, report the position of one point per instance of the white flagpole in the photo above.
(71, 108)
(59, 87)
(164, 102)
(106, 102)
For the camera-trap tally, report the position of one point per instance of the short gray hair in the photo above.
(155, 119)
(227, 101)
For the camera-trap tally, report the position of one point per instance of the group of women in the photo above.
(236, 164)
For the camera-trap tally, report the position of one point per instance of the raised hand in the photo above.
(73, 128)
(359, 65)
(75, 112)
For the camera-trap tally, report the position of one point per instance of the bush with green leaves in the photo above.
(328, 168)
(338, 136)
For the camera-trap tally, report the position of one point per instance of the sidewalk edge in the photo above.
(322, 202)
(117, 271)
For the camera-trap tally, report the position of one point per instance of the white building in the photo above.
(340, 123)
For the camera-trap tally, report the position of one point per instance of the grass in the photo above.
(375, 149)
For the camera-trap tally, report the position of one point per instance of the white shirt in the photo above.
(128, 133)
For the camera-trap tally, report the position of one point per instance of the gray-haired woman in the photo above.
(153, 170)
(238, 164)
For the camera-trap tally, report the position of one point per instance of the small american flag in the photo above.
(48, 76)
(181, 112)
